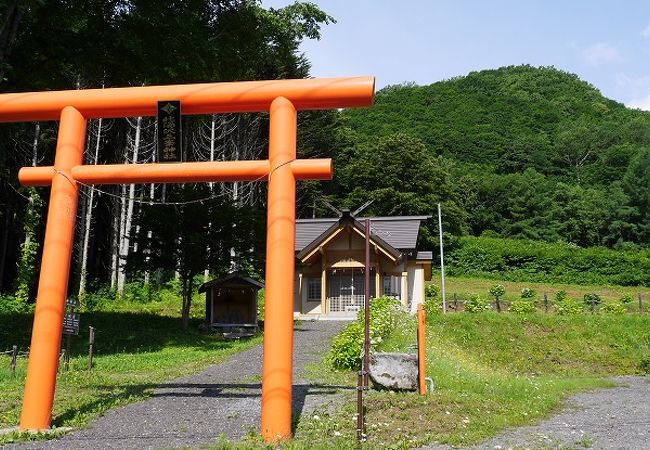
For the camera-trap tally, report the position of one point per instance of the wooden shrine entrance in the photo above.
(281, 98)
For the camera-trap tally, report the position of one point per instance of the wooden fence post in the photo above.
(91, 342)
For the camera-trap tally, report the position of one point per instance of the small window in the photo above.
(313, 290)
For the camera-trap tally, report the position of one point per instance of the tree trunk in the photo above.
(4, 245)
(88, 219)
(186, 293)
(8, 33)
(126, 233)
(115, 242)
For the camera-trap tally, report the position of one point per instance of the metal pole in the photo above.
(442, 261)
(360, 419)
(366, 306)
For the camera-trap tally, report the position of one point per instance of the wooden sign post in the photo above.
(281, 98)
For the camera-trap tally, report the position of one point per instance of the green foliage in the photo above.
(522, 306)
(432, 305)
(475, 304)
(28, 249)
(535, 261)
(9, 304)
(614, 308)
(432, 299)
(591, 300)
(568, 307)
(402, 177)
(261, 298)
(497, 291)
(626, 299)
(528, 293)
(347, 346)
(560, 296)
(533, 153)
(432, 291)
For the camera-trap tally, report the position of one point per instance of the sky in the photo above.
(604, 42)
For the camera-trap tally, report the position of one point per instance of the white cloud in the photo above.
(646, 32)
(601, 53)
(640, 103)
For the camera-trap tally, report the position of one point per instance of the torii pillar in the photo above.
(282, 98)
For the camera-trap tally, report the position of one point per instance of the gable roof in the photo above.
(234, 278)
(399, 232)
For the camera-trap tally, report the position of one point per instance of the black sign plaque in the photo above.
(71, 323)
(169, 131)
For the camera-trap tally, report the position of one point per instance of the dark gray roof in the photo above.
(424, 256)
(400, 232)
(234, 278)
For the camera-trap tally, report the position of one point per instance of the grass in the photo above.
(490, 371)
(465, 286)
(137, 346)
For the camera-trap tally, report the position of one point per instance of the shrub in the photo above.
(431, 291)
(591, 300)
(10, 304)
(528, 293)
(613, 308)
(521, 306)
(626, 299)
(560, 296)
(536, 261)
(431, 306)
(568, 307)
(497, 291)
(476, 304)
(347, 346)
(98, 298)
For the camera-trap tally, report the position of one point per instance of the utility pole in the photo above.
(442, 262)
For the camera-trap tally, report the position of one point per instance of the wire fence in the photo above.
(545, 304)
(14, 354)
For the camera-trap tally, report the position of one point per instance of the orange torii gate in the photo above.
(281, 98)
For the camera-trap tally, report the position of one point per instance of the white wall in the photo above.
(416, 286)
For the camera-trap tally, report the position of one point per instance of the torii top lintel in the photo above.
(205, 98)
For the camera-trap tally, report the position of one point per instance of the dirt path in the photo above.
(604, 419)
(194, 410)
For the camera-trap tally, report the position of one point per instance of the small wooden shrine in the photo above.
(231, 304)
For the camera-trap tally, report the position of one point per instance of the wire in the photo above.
(152, 202)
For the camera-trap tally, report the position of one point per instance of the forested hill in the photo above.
(529, 152)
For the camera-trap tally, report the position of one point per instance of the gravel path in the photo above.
(193, 410)
(604, 419)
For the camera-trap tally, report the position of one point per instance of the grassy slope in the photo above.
(466, 285)
(137, 346)
(491, 371)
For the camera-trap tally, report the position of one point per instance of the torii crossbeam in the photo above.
(281, 98)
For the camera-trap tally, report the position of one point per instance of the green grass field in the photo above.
(490, 371)
(465, 286)
(138, 345)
